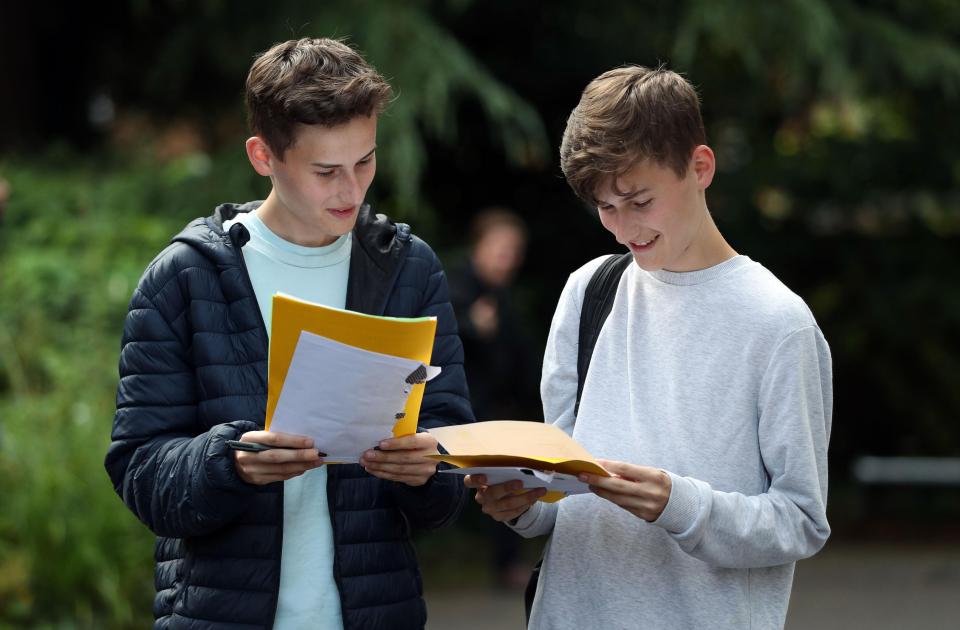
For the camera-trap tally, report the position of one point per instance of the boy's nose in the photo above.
(350, 190)
(622, 228)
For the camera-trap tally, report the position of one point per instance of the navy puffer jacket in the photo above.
(193, 374)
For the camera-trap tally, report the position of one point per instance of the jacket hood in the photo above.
(381, 239)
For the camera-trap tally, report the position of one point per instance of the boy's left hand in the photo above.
(640, 490)
(402, 459)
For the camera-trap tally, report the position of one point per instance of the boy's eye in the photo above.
(642, 204)
(604, 208)
(324, 173)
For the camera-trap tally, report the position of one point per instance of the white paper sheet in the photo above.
(345, 398)
(531, 478)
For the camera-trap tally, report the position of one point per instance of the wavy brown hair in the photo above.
(626, 115)
(310, 82)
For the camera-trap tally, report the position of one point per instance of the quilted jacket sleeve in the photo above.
(178, 480)
(445, 401)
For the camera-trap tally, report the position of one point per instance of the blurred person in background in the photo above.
(709, 394)
(502, 368)
(275, 539)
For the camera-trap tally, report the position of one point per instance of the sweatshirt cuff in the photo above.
(523, 522)
(537, 521)
(682, 507)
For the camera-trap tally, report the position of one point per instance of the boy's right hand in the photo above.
(504, 501)
(294, 456)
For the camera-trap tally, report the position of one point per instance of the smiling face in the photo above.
(321, 181)
(662, 218)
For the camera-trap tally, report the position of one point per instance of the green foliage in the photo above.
(811, 51)
(430, 71)
(74, 241)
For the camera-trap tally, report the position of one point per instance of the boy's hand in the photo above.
(640, 490)
(295, 456)
(503, 501)
(402, 459)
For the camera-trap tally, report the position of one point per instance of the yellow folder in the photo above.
(400, 337)
(515, 444)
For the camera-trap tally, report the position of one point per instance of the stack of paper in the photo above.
(540, 455)
(346, 379)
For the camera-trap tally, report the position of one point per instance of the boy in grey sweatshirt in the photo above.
(708, 396)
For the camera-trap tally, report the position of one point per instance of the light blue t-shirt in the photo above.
(308, 593)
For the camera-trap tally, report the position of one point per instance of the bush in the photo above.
(73, 242)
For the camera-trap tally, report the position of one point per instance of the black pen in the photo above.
(257, 447)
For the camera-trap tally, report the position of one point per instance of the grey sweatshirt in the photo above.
(722, 378)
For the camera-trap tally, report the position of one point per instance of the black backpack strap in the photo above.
(597, 302)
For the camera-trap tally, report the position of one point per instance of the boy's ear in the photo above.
(260, 156)
(704, 165)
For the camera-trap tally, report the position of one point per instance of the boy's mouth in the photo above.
(642, 246)
(341, 213)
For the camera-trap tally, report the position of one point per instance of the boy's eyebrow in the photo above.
(630, 194)
(324, 165)
(625, 194)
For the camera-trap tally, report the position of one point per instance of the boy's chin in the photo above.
(647, 265)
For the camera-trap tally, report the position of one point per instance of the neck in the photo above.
(708, 248)
(287, 226)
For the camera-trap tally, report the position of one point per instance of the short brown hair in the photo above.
(310, 82)
(626, 115)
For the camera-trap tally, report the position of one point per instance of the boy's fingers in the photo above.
(284, 455)
(501, 490)
(415, 441)
(475, 481)
(396, 457)
(615, 485)
(629, 471)
(506, 494)
(513, 502)
(400, 469)
(395, 444)
(617, 468)
(290, 440)
(278, 438)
